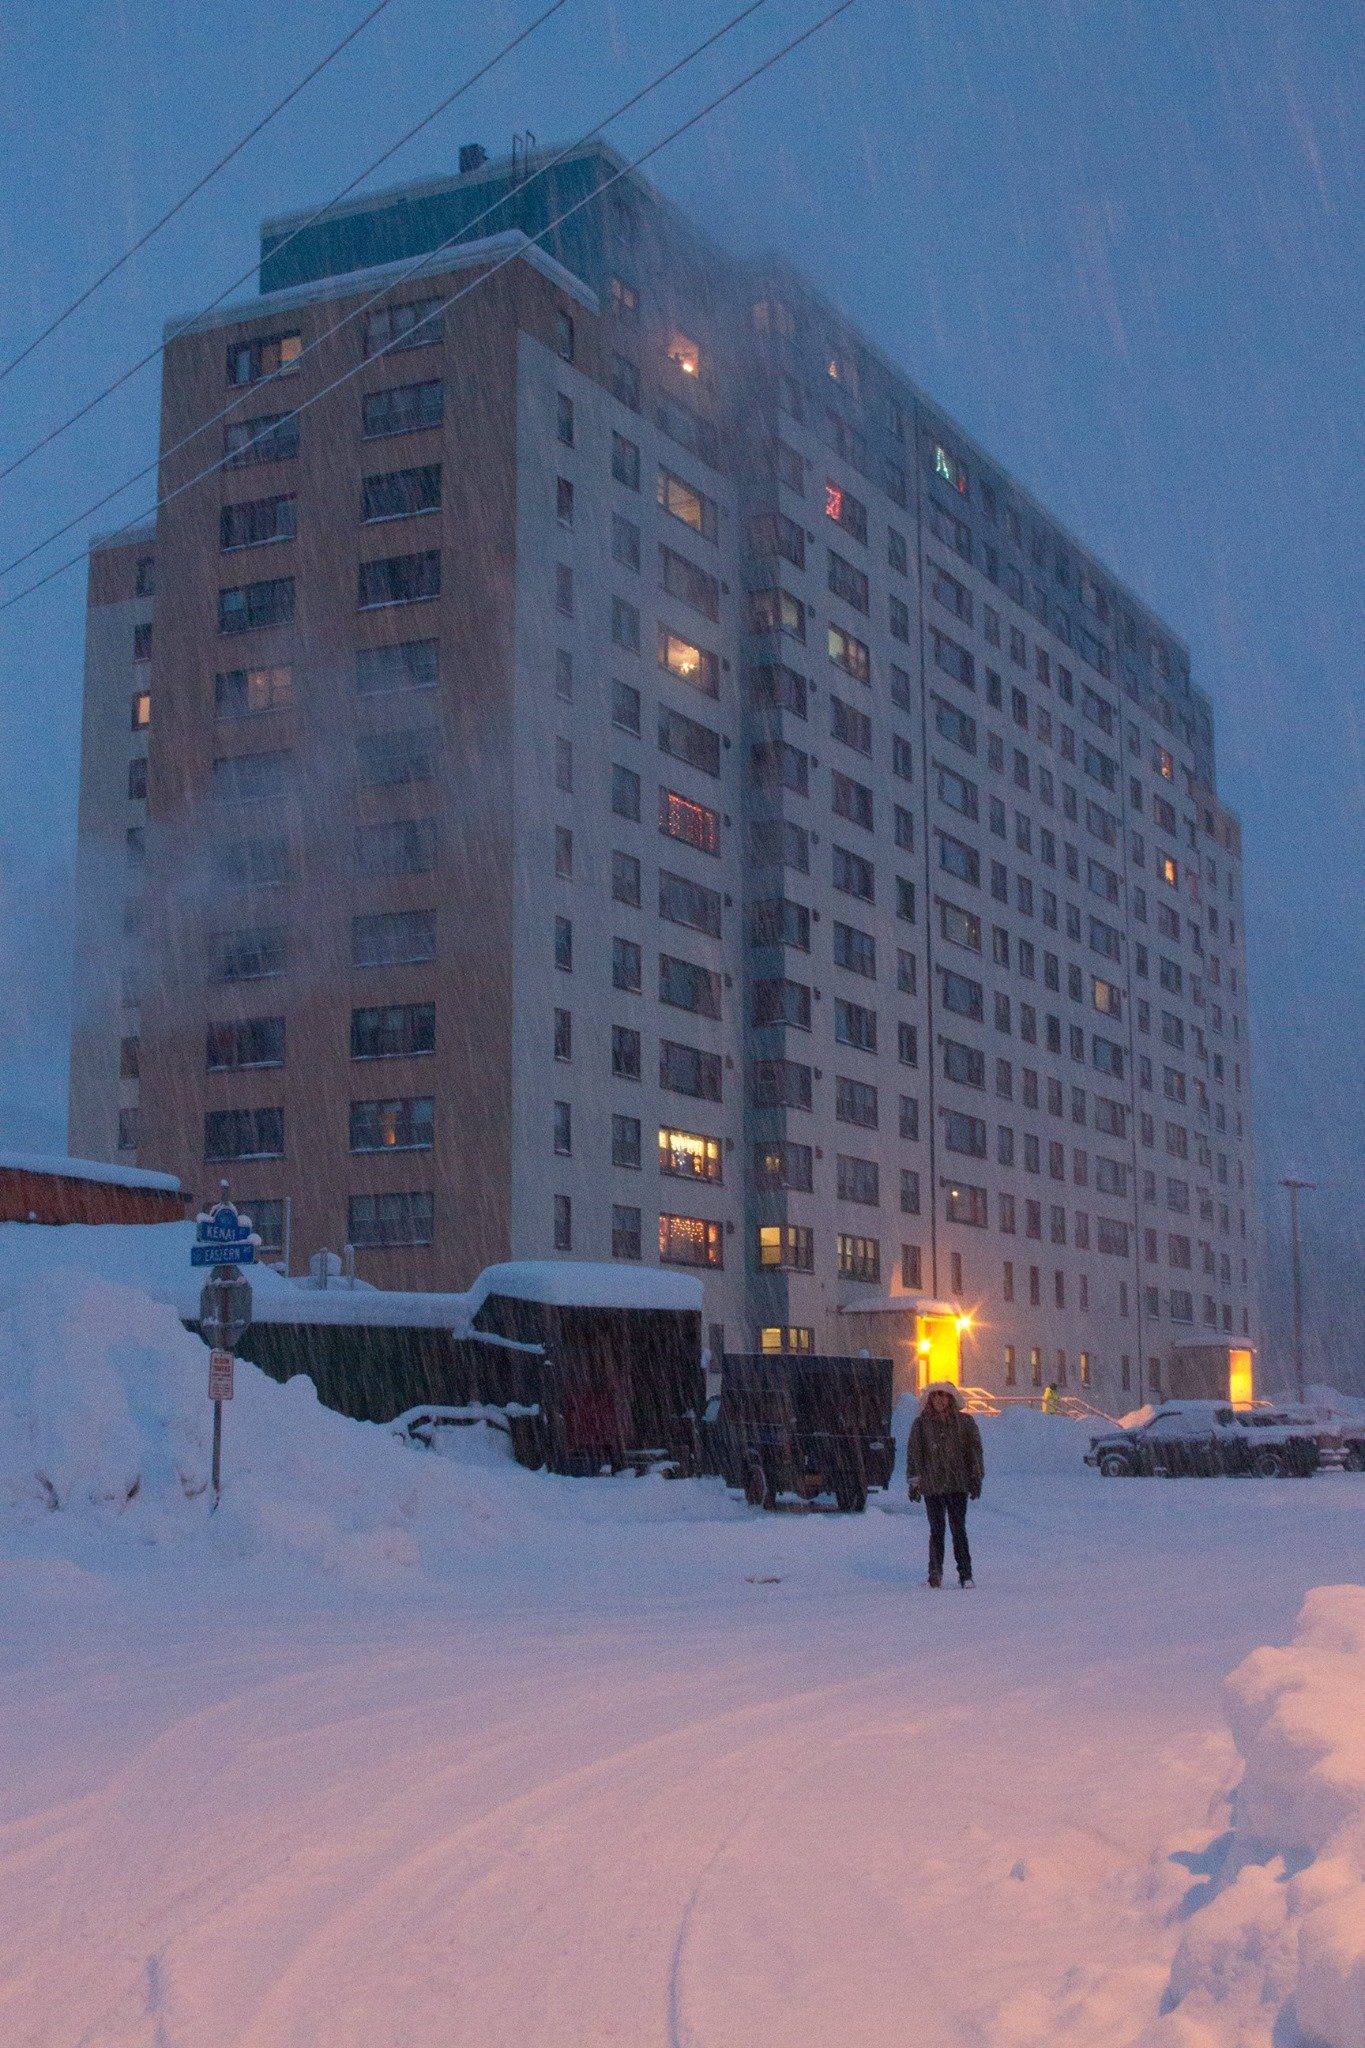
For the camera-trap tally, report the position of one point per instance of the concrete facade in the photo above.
(811, 852)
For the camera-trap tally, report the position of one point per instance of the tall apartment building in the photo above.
(630, 779)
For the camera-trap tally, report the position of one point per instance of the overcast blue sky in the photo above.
(1121, 242)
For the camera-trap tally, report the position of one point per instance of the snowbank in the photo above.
(105, 1421)
(1284, 1932)
(89, 1169)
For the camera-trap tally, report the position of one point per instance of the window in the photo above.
(564, 419)
(854, 1025)
(964, 1063)
(855, 1102)
(688, 741)
(418, 323)
(855, 950)
(625, 1052)
(399, 579)
(393, 938)
(781, 1084)
(625, 625)
(849, 654)
(258, 522)
(243, 1043)
(376, 1220)
(777, 611)
(243, 692)
(688, 987)
(963, 996)
(774, 1000)
(145, 582)
(408, 665)
(625, 879)
(256, 605)
(858, 1180)
(690, 1241)
(272, 437)
(962, 1133)
(244, 1134)
(687, 428)
(694, 824)
(626, 1239)
(688, 1155)
(847, 582)
(956, 858)
(851, 800)
(625, 1142)
(401, 493)
(625, 542)
(690, 664)
(846, 511)
(781, 1164)
(625, 301)
(683, 501)
(399, 1124)
(965, 1204)
(403, 846)
(397, 1031)
(389, 759)
(563, 1129)
(684, 353)
(851, 727)
(956, 791)
(955, 725)
(684, 1070)
(688, 903)
(142, 641)
(786, 1248)
(625, 462)
(403, 409)
(853, 876)
(267, 355)
(252, 778)
(954, 660)
(626, 962)
(858, 1258)
(563, 1223)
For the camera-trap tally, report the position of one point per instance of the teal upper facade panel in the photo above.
(401, 225)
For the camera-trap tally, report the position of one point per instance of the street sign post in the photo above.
(225, 1241)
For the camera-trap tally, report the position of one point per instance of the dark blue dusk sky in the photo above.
(1122, 243)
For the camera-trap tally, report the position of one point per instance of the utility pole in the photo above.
(1293, 1187)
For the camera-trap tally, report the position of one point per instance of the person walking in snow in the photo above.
(944, 1467)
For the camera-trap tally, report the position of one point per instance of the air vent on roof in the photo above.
(472, 154)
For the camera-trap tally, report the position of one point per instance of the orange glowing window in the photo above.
(685, 353)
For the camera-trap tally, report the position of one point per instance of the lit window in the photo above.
(691, 506)
(685, 1155)
(1163, 764)
(794, 1337)
(693, 664)
(142, 710)
(951, 470)
(689, 1241)
(694, 824)
(625, 300)
(1170, 871)
(685, 354)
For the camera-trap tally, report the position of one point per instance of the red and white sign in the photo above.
(220, 1375)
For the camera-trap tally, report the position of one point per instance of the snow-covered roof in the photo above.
(156, 1258)
(579, 1283)
(89, 1169)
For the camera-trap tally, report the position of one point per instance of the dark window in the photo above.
(688, 741)
(257, 522)
(272, 437)
(418, 323)
(688, 903)
(403, 409)
(386, 759)
(393, 938)
(689, 987)
(244, 1134)
(244, 1042)
(410, 665)
(684, 1070)
(399, 579)
(389, 1219)
(402, 493)
(249, 954)
(403, 846)
(393, 1031)
(256, 605)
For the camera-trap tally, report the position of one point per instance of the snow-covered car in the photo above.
(1198, 1439)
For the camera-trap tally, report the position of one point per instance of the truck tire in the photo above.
(1269, 1464)
(850, 1496)
(1115, 1465)
(1355, 1458)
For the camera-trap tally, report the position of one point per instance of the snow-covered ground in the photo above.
(402, 1751)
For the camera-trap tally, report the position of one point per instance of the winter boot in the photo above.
(934, 1579)
(969, 1585)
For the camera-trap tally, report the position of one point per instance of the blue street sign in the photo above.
(217, 1231)
(241, 1253)
(222, 1225)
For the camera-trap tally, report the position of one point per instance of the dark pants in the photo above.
(953, 1508)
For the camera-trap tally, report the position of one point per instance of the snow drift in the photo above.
(1285, 1932)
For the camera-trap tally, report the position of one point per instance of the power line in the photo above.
(391, 284)
(152, 354)
(195, 189)
(443, 305)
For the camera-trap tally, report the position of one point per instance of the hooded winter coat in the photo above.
(944, 1456)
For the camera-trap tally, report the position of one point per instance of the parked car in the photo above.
(802, 1426)
(1199, 1439)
